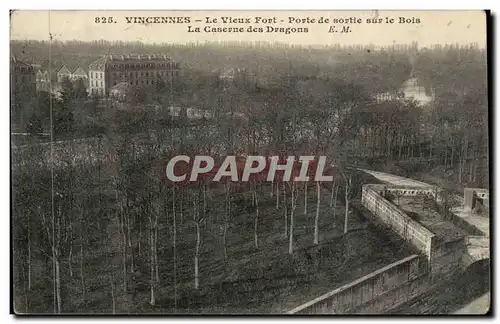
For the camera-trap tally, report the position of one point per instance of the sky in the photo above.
(433, 27)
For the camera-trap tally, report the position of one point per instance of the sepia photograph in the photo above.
(272, 162)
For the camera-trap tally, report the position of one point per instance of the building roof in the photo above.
(138, 57)
(17, 62)
(64, 69)
(101, 62)
(80, 71)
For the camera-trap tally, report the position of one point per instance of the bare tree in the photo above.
(293, 207)
(347, 198)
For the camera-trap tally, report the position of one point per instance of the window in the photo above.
(147, 74)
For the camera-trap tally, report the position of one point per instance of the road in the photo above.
(478, 306)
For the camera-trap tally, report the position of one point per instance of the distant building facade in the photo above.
(42, 81)
(22, 87)
(63, 72)
(22, 79)
(139, 70)
(78, 73)
(81, 74)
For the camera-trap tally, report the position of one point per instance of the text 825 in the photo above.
(104, 20)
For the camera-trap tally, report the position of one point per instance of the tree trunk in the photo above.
(431, 146)
(54, 258)
(335, 203)
(58, 285)
(316, 219)
(204, 199)
(226, 219)
(452, 154)
(348, 184)
(26, 301)
(152, 300)
(332, 193)
(305, 198)
(69, 261)
(461, 165)
(157, 270)
(139, 248)
(124, 240)
(174, 246)
(181, 207)
(474, 172)
(463, 157)
(113, 297)
(29, 258)
(198, 242)
(292, 218)
(256, 222)
(471, 168)
(412, 147)
(286, 210)
(124, 236)
(224, 240)
(82, 279)
(277, 196)
(129, 242)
